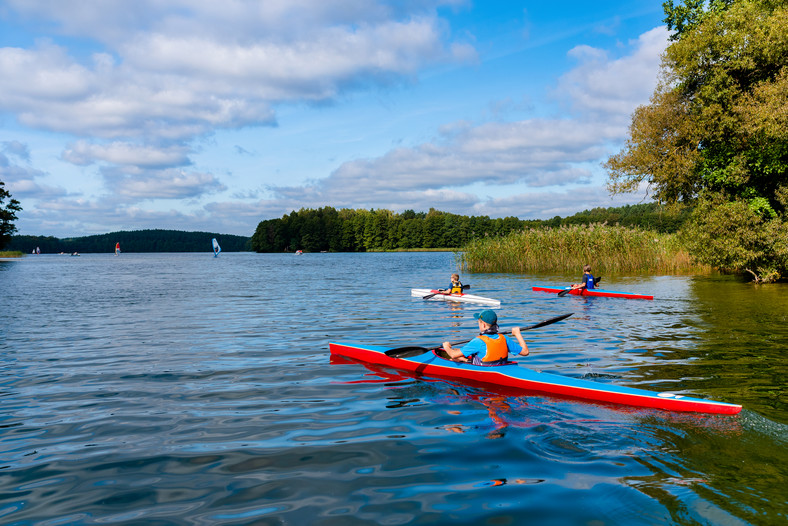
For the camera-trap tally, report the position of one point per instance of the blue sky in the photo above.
(212, 116)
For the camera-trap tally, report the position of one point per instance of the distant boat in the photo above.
(117, 249)
(299, 252)
(216, 247)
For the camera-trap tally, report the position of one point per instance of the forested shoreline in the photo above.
(131, 241)
(358, 230)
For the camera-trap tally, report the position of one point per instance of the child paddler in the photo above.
(455, 287)
(489, 348)
(588, 279)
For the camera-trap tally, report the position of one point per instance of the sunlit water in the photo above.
(187, 389)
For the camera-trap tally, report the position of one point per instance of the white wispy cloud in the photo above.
(538, 152)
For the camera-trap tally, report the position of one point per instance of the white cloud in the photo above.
(161, 184)
(171, 74)
(614, 87)
(83, 153)
(15, 148)
(157, 72)
(21, 181)
(535, 152)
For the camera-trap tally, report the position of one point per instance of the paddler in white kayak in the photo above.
(455, 287)
(489, 348)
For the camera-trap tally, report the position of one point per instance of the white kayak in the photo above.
(468, 298)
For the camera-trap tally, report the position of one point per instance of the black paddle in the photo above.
(407, 352)
(567, 291)
(428, 296)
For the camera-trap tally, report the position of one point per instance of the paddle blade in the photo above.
(597, 280)
(563, 293)
(406, 352)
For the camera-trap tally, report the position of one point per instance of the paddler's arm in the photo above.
(524, 346)
(454, 354)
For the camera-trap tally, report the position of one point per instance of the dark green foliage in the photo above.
(133, 241)
(7, 216)
(347, 230)
(715, 134)
(687, 15)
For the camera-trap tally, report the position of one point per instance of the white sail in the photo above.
(216, 247)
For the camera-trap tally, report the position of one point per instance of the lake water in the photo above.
(187, 389)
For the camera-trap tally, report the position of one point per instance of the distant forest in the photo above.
(133, 241)
(348, 230)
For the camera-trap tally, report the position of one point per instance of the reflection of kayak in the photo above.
(519, 377)
(469, 298)
(595, 292)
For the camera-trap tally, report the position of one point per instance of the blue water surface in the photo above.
(188, 389)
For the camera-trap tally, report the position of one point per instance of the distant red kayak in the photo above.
(595, 292)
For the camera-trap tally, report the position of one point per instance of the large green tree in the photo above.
(715, 133)
(7, 215)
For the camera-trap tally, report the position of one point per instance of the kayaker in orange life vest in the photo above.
(455, 287)
(489, 348)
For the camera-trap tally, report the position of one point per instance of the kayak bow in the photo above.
(515, 376)
(595, 292)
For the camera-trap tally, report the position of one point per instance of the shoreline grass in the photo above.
(11, 254)
(608, 249)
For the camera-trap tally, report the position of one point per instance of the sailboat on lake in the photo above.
(216, 247)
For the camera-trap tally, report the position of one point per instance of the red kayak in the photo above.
(595, 292)
(430, 363)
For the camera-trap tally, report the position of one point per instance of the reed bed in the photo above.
(608, 249)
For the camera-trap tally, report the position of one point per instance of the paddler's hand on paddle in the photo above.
(454, 354)
(524, 346)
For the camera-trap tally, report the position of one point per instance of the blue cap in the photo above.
(487, 316)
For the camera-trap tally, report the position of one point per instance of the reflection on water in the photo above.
(188, 389)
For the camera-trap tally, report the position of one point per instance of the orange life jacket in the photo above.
(497, 349)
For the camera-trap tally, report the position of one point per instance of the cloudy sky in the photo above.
(212, 116)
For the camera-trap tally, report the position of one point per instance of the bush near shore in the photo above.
(608, 249)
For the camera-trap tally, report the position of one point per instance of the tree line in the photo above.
(132, 241)
(358, 230)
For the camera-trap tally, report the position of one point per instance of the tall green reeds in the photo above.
(609, 249)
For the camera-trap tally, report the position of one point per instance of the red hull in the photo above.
(596, 292)
(514, 376)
